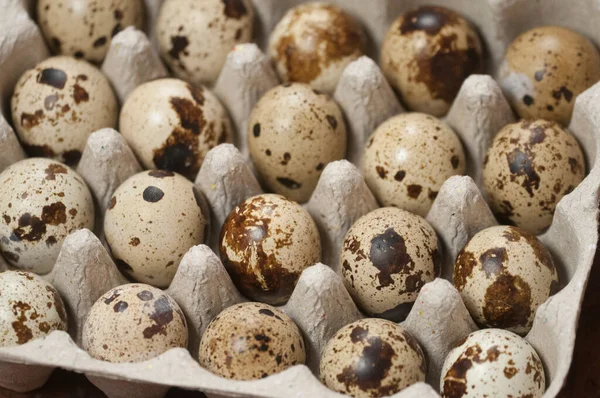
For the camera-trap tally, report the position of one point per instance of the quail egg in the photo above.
(152, 220)
(251, 341)
(266, 242)
(42, 202)
(528, 169)
(387, 256)
(293, 133)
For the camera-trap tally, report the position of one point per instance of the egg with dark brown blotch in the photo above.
(372, 358)
(133, 323)
(528, 169)
(503, 275)
(266, 242)
(545, 69)
(293, 133)
(386, 258)
(427, 54)
(251, 341)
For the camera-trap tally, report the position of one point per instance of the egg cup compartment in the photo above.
(320, 304)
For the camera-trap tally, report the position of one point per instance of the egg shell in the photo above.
(266, 242)
(408, 158)
(528, 169)
(545, 69)
(171, 125)
(58, 104)
(372, 358)
(133, 323)
(84, 28)
(152, 220)
(386, 258)
(251, 341)
(313, 43)
(503, 274)
(293, 133)
(492, 363)
(195, 36)
(426, 55)
(30, 308)
(42, 202)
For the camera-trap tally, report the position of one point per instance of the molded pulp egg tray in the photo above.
(320, 304)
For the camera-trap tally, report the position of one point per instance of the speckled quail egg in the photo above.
(58, 104)
(30, 308)
(195, 36)
(408, 158)
(266, 242)
(152, 220)
(84, 28)
(133, 323)
(528, 169)
(503, 274)
(293, 133)
(545, 69)
(171, 125)
(251, 341)
(313, 43)
(41, 203)
(386, 258)
(372, 358)
(492, 363)
(427, 54)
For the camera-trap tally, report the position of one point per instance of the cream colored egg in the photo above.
(427, 54)
(293, 133)
(266, 242)
(133, 323)
(41, 203)
(152, 220)
(545, 69)
(313, 43)
(30, 308)
(251, 341)
(528, 169)
(195, 36)
(58, 104)
(84, 28)
(372, 358)
(386, 258)
(492, 363)
(408, 158)
(171, 125)
(503, 274)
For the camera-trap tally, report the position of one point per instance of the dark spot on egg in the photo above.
(145, 295)
(134, 242)
(120, 306)
(53, 169)
(23, 332)
(428, 19)
(562, 92)
(414, 190)
(399, 176)
(528, 100)
(50, 101)
(382, 172)
(79, 54)
(521, 165)
(507, 302)
(112, 203)
(28, 121)
(492, 261)
(463, 268)
(256, 130)
(332, 121)
(162, 316)
(234, 8)
(80, 94)
(454, 160)
(52, 77)
(178, 46)
(153, 194)
(539, 75)
(99, 42)
(388, 254)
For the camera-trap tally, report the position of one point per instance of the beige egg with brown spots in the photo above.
(313, 43)
(171, 125)
(408, 159)
(529, 168)
(386, 258)
(43, 201)
(545, 69)
(492, 363)
(84, 28)
(251, 341)
(265, 244)
(30, 308)
(503, 275)
(427, 54)
(372, 358)
(58, 104)
(133, 323)
(152, 220)
(195, 36)
(293, 133)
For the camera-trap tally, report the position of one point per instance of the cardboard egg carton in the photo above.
(320, 304)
